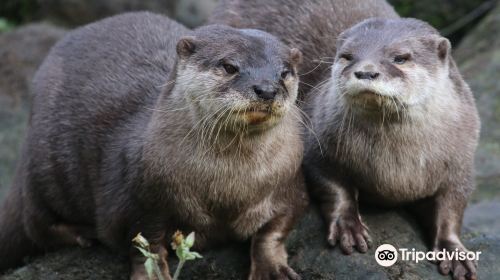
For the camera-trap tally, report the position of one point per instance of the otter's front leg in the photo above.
(67, 234)
(442, 214)
(339, 206)
(268, 253)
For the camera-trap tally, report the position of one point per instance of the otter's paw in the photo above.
(460, 270)
(280, 272)
(349, 231)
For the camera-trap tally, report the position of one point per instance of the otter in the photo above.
(312, 26)
(365, 148)
(142, 126)
(397, 125)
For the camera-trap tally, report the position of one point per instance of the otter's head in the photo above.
(390, 65)
(242, 79)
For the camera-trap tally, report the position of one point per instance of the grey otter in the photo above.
(135, 128)
(312, 26)
(397, 126)
(389, 152)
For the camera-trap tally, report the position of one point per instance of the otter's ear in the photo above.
(295, 56)
(443, 48)
(186, 46)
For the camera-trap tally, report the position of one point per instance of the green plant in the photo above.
(20, 11)
(151, 263)
(5, 25)
(182, 247)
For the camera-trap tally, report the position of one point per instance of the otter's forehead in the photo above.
(247, 47)
(377, 34)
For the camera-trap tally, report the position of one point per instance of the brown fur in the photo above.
(405, 136)
(374, 148)
(311, 26)
(135, 129)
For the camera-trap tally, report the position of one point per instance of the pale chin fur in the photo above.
(421, 92)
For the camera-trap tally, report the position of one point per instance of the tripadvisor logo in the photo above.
(387, 255)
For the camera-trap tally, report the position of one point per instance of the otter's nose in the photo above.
(265, 92)
(366, 75)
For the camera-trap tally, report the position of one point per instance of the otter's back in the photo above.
(95, 85)
(126, 57)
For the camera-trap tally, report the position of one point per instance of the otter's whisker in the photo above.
(307, 123)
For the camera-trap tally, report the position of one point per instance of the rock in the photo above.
(479, 60)
(193, 13)
(309, 255)
(483, 217)
(21, 52)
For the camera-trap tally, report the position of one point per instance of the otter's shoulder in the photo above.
(113, 51)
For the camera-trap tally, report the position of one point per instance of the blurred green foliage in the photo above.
(5, 25)
(19, 11)
(439, 13)
(442, 13)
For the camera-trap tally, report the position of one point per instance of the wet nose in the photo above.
(366, 75)
(265, 92)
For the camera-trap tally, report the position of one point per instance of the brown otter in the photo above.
(137, 129)
(405, 168)
(397, 125)
(312, 26)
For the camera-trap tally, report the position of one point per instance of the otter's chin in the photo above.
(256, 117)
(257, 120)
(367, 99)
(261, 114)
(260, 120)
(370, 102)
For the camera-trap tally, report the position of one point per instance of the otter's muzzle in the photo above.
(366, 71)
(265, 92)
(360, 75)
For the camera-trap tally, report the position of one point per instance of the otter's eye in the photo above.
(285, 74)
(347, 56)
(401, 59)
(230, 69)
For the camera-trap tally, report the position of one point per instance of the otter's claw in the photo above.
(281, 272)
(351, 232)
(460, 270)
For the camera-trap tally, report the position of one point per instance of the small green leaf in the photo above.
(149, 265)
(197, 255)
(190, 257)
(190, 240)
